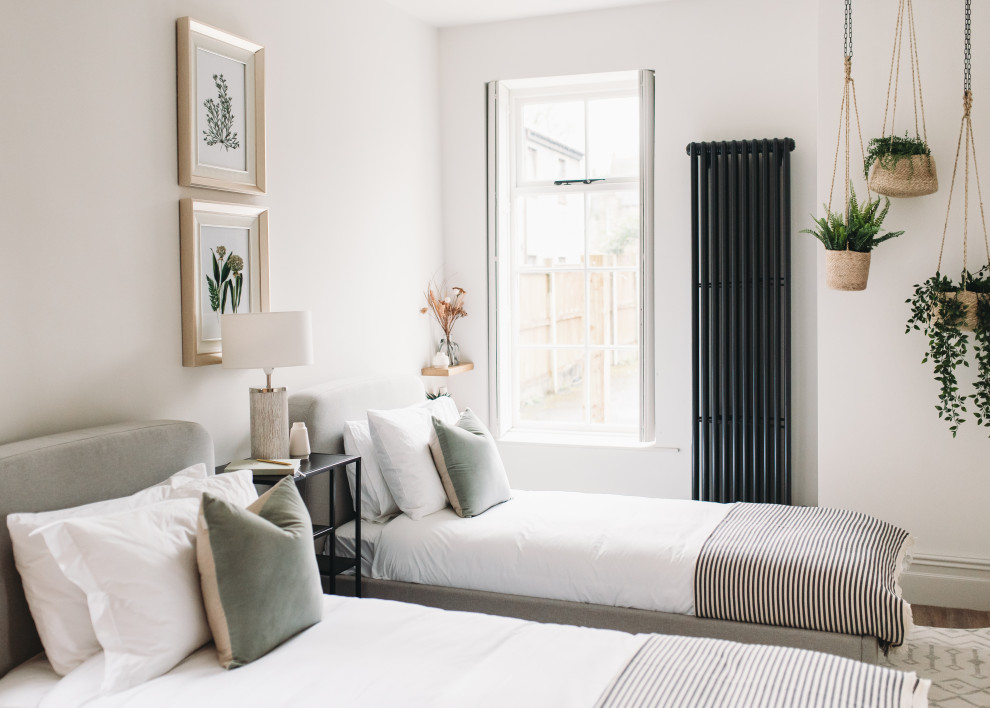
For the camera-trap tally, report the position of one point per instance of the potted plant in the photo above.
(848, 244)
(945, 312)
(901, 167)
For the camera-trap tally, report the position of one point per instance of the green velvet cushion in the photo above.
(469, 465)
(260, 581)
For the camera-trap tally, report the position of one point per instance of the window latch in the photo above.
(578, 181)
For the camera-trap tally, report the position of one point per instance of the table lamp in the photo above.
(267, 340)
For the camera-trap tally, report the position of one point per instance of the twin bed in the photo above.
(380, 652)
(810, 578)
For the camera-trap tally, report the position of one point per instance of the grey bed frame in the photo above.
(83, 466)
(79, 467)
(325, 408)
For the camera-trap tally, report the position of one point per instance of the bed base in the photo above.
(625, 619)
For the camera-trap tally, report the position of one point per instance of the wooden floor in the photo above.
(949, 617)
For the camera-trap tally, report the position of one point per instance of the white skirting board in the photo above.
(948, 581)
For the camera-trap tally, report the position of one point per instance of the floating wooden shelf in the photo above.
(450, 371)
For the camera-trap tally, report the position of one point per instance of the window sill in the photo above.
(595, 440)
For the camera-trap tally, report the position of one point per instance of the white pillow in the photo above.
(377, 503)
(443, 407)
(234, 487)
(402, 447)
(57, 606)
(138, 570)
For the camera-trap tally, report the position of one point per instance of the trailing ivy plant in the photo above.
(940, 319)
(892, 149)
(861, 234)
(981, 346)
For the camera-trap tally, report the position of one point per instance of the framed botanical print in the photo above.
(223, 250)
(221, 103)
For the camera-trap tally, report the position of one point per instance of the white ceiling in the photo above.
(446, 13)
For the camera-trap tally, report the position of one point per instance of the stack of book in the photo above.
(266, 467)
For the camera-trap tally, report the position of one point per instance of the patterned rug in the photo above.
(956, 660)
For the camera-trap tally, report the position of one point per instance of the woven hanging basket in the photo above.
(846, 270)
(969, 301)
(911, 176)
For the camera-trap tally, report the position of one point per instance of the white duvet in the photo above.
(598, 548)
(383, 653)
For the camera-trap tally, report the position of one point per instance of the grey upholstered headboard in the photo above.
(326, 407)
(79, 467)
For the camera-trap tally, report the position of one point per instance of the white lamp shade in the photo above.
(266, 340)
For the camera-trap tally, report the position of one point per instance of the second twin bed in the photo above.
(817, 578)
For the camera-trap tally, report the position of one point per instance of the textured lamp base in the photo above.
(269, 423)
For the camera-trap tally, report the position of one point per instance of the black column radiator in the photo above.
(741, 324)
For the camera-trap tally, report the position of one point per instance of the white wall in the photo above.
(882, 448)
(724, 70)
(89, 298)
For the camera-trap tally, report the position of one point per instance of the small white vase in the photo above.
(441, 360)
(299, 441)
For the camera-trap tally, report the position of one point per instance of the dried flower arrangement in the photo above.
(447, 306)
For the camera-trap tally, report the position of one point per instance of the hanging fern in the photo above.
(861, 234)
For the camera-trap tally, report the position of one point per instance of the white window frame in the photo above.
(502, 95)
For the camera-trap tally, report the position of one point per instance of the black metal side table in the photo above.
(330, 564)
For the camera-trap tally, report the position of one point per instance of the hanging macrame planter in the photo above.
(968, 320)
(973, 288)
(849, 236)
(847, 270)
(946, 310)
(909, 176)
(902, 167)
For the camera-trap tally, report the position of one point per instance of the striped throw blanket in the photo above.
(688, 671)
(809, 567)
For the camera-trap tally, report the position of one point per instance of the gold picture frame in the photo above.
(221, 109)
(223, 251)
